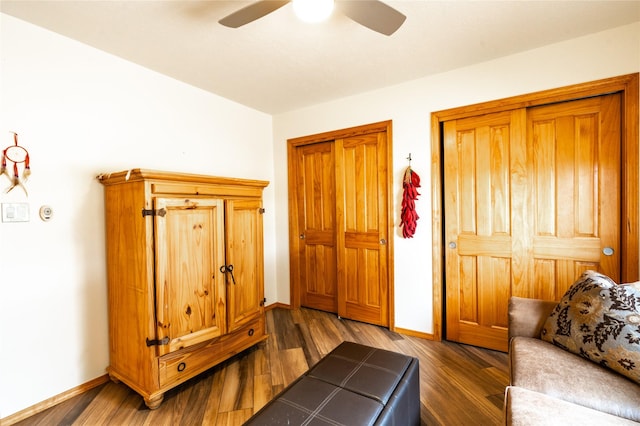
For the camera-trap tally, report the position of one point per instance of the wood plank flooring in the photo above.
(459, 385)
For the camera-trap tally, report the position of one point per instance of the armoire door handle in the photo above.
(228, 268)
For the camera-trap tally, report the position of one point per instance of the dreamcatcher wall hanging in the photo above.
(19, 156)
(408, 216)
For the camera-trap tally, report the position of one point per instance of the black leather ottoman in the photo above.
(352, 385)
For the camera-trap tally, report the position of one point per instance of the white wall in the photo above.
(410, 105)
(80, 112)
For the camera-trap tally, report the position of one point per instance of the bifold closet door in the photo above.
(316, 200)
(363, 287)
(532, 199)
(340, 208)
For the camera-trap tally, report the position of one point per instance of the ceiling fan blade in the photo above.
(373, 14)
(252, 12)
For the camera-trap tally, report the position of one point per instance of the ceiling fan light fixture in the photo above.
(313, 10)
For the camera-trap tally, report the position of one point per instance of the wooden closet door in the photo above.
(574, 152)
(484, 159)
(362, 221)
(532, 199)
(316, 200)
(339, 187)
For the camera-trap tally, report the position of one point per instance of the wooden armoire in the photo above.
(185, 275)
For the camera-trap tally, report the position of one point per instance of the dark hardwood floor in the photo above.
(460, 385)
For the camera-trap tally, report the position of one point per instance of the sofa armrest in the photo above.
(527, 316)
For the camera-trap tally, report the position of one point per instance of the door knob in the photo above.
(607, 251)
(383, 241)
(301, 236)
(452, 244)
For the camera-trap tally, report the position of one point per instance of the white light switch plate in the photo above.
(15, 212)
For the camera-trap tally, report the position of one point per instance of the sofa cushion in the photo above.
(523, 407)
(599, 320)
(542, 367)
(527, 316)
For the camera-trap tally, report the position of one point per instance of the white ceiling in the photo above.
(277, 64)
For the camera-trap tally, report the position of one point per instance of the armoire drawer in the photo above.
(176, 367)
(189, 189)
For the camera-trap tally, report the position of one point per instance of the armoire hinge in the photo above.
(151, 212)
(263, 301)
(156, 342)
(261, 210)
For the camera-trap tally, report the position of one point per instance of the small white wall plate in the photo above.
(15, 212)
(46, 213)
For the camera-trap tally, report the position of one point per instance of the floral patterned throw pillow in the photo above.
(599, 320)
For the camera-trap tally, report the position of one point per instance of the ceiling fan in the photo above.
(373, 14)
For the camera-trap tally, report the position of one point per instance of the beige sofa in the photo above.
(550, 386)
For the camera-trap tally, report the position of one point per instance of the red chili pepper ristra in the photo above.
(408, 216)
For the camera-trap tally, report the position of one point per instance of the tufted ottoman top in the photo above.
(314, 402)
(368, 371)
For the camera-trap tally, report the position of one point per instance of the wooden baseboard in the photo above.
(413, 333)
(277, 305)
(55, 400)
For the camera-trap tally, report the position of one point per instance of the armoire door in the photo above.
(532, 199)
(339, 204)
(189, 243)
(244, 262)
